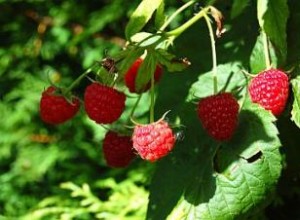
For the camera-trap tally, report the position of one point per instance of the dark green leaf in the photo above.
(141, 16)
(272, 18)
(169, 60)
(293, 31)
(238, 7)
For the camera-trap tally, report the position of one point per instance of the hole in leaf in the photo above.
(216, 166)
(254, 157)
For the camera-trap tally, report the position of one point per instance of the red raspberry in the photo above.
(103, 104)
(153, 141)
(118, 151)
(270, 89)
(55, 109)
(219, 115)
(131, 75)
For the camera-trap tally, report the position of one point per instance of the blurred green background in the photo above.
(57, 41)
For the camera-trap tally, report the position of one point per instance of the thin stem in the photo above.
(79, 79)
(177, 12)
(176, 32)
(135, 105)
(152, 99)
(266, 50)
(214, 56)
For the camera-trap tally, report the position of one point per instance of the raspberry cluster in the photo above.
(103, 104)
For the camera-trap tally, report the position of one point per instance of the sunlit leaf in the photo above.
(141, 16)
(296, 104)
(272, 17)
(145, 72)
(257, 58)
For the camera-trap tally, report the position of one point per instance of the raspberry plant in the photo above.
(205, 51)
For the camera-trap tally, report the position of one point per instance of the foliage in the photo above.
(254, 175)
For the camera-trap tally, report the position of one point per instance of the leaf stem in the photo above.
(176, 32)
(177, 12)
(214, 56)
(135, 105)
(266, 50)
(79, 79)
(152, 93)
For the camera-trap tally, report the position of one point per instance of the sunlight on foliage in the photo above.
(60, 171)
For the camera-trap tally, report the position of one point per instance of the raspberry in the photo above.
(118, 151)
(270, 89)
(131, 75)
(103, 104)
(219, 115)
(153, 141)
(55, 109)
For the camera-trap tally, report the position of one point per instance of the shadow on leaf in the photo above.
(247, 143)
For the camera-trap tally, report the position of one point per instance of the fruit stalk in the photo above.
(266, 50)
(77, 81)
(177, 12)
(135, 105)
(178, 31)
(152, 98)
(214, 56)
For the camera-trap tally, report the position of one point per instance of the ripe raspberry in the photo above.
(103, 104)
(270, 89)
(117, 150)
(131, 75)
(219, 115)
(55, 109)
(153, 141)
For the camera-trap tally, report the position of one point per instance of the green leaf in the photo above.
(175, 171)
(141, 16)
(169, 60)
(248, 167)
(257, 58)
(145, 39)
(296, 104)
(238, 7)
(145, 72)
(272, 17)
(132, 53)
(160, 15)
(220, 184)
(229, 76)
